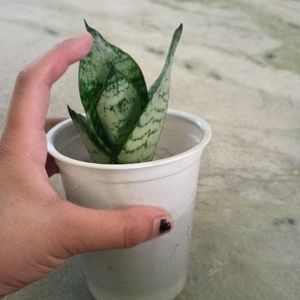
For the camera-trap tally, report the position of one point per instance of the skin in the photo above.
(39, 230)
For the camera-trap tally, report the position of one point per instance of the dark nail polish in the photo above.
(164, 226)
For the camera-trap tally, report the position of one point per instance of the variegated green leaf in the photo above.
(119, 109)
(123, 123)
(142, 142)
(97, 149)
(94, 69)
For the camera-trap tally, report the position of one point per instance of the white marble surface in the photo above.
(238, 66)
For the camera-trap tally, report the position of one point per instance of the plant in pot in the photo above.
(130, 150)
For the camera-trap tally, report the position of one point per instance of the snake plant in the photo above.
(123, 120)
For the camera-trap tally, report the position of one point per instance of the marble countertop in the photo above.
(238, 66)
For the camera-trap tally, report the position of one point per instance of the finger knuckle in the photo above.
(131, 233)
(24, 76)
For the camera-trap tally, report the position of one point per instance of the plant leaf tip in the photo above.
(86, 24)
(71, 111)
(179, 29)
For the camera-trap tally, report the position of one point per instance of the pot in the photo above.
(156, 269)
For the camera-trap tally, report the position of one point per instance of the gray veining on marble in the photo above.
(238, 66)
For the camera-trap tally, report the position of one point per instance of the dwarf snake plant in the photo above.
(123, 120)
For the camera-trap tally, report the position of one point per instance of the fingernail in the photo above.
(162, 225)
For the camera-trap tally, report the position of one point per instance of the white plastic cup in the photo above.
(156, 269)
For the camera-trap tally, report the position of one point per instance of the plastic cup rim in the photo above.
(201, 123)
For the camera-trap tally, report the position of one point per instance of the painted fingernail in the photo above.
(162, 225)
(165, 225)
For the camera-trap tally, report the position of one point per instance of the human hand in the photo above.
(38, 229)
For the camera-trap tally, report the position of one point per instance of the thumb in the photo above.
(91, 230)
